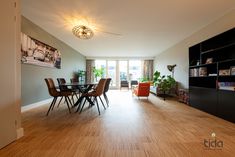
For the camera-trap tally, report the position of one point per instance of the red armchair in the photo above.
(142, 89)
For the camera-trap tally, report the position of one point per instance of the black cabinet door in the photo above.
(226, 105)
(204, 99)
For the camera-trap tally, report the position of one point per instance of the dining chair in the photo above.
(55, 94)
(96, 93)
(64, 88)
(106, 88)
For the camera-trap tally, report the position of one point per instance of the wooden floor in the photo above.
(128, 128)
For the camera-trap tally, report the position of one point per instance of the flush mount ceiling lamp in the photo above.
(82, 32)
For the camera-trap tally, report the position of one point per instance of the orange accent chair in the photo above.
(142, 90)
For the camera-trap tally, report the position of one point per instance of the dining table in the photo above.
(83, 87)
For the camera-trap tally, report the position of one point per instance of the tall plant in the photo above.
(163, 82)
(98, 72)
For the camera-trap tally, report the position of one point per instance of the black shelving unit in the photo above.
(211, 79)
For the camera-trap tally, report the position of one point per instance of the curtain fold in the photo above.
(147, 71)
(90, 64)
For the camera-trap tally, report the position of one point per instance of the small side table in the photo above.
(183, 96)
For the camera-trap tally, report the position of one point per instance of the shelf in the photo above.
(202, 65)
(202, 76)
(225, 61)
(216, 49)
(226, 76)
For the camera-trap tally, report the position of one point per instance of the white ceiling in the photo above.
(148, 27)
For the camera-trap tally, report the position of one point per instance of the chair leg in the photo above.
(97, 105)
(83, 106)
(70, 102)
(60, 101)
(102, 102)
(106, 99)
(76, 96)
(67, 103)
(52, 103)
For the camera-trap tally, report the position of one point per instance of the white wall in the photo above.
(178, 54)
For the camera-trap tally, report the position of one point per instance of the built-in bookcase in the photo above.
(212, 75)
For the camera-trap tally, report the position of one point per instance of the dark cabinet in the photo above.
(212, 75)
(226, 105)
(204, 99)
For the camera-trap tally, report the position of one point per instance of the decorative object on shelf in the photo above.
(82, 32)
(232, 70)
(202, 71)
(171, 69)
(198, 62)
(209, 60)
(224, 72)
(38, 53)
(226, 86)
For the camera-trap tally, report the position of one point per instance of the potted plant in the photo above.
(163, 83)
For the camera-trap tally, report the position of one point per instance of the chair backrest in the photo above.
(106, 88)
(74, 80)
(100, 87)
(143, 89)
(134, 82)
(51, 87)
(62, 81)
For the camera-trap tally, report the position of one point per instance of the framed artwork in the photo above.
(209, 60)
(38, 53)
(224, 72)
(232, 70)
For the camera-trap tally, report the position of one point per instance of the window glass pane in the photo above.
(112, 72)
(101, 64)
(135, 69)
(123, 70)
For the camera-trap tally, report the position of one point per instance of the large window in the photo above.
(120, 70)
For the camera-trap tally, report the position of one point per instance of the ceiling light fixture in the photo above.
(82, 32)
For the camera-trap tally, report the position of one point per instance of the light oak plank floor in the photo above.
(128, 128)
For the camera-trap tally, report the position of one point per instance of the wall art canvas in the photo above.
(38, 53)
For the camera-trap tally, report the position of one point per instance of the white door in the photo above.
(8, 72)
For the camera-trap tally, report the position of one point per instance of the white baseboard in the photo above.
(35, 105)
(19, 133)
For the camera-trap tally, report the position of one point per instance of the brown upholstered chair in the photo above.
(96, 93)
(54, 93)
(65, 88)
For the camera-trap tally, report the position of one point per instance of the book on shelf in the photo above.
(226, 86)
(212, 74)
(231, 88)
(194, 72)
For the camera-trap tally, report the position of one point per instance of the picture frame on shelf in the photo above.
(209, 60)
(224, 72)
(232, 70)
(202, 71)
